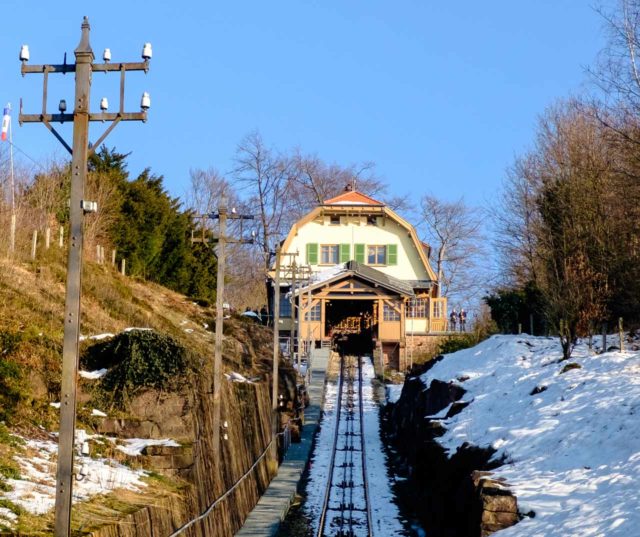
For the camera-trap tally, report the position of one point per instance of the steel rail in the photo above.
(347, 507)
(327, 494)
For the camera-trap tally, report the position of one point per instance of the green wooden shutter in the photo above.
(392, 254)
(312, 253)
(359, 252)
(345, 253)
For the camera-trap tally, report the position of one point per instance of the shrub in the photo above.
(456, 343)
(12, 390)
(137, 359)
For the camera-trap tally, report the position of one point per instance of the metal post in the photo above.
(12, 230)
(64, 479)
(217, 358)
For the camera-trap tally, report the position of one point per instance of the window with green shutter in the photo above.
(359, 252)
(312, 253)
(392, 254)
(345, 253)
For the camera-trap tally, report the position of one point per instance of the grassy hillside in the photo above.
(31, 334)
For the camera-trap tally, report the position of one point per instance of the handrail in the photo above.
(211, 507)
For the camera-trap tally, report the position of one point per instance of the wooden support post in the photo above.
(34, 243)
(604, 337)
(292, 334)
(47, 238)
(217, 358)
(113, 257)
(531, 324)
(123, 267)
(61, 237)
(276, 346)
(98, 253)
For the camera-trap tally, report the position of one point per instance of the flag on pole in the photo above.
(6, 119)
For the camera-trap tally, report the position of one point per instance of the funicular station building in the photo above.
(371, 288)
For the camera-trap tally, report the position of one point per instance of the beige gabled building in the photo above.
(371, 286)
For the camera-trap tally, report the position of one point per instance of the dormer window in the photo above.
(334, 220)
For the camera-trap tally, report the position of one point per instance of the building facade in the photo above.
(363, 281)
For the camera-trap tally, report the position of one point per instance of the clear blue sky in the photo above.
(441, 95)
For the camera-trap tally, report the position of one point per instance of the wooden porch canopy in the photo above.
(374, 277)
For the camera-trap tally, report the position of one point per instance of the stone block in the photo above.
(502, 503)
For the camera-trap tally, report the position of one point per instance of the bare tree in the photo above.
(516, 221)
(207, 189)
(453, 230)
(312, 181)
(264, 175)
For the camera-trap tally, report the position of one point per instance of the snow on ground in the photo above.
(35, 491)
(393, 392)
(92, 375)
(97, 337)
(237, 377)
(384, 512)
(134, 446)
(572, 450)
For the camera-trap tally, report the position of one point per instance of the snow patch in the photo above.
(35, 491)
(573, 449)
(393, 392)
(134, 446)
(98, 373)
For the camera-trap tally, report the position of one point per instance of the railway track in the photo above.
(346, 508)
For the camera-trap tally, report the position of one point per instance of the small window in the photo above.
(372, 220)
(377, 255)
(313, 314)
(437, 309)
(334, 220)
(285, 305)
(329, 254)
(390, 314)
(418, 308)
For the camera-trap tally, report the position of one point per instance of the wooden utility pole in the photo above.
(276, 343)
(217, 357)
(222, 216)
(80, 151)
(292, 334)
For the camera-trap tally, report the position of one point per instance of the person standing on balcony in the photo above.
(463, 320)
(453, 319)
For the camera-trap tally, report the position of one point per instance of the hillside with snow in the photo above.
(570, 436)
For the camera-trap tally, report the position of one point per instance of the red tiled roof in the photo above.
(352, 198)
